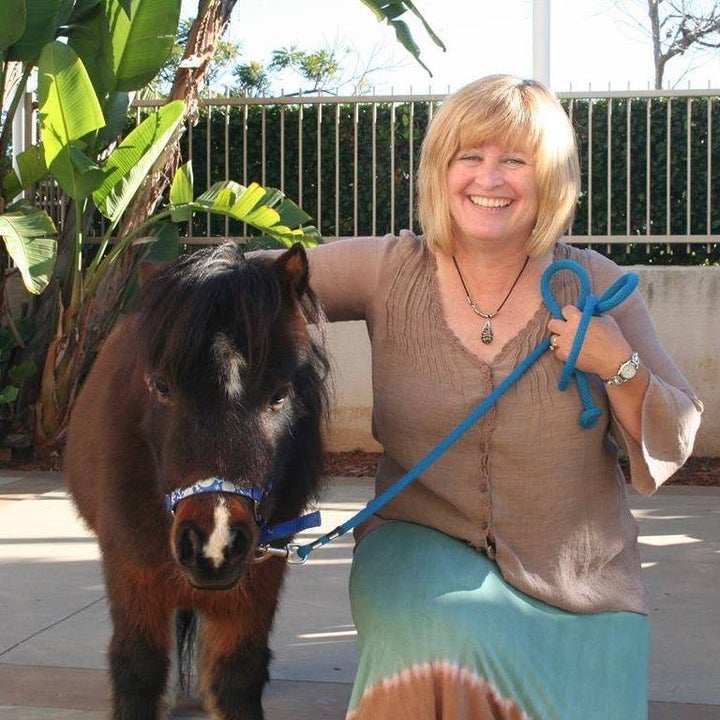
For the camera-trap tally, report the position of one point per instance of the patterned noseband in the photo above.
(214, 485)
(268, 533)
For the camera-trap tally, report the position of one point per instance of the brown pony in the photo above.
(197, 430)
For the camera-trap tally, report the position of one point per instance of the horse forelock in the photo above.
(212, 311)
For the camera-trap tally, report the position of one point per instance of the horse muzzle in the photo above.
(214, 539)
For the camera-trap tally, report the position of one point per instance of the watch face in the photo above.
(628, 370)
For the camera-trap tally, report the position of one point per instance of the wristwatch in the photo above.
(626, 371)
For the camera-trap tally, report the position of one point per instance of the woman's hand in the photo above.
(604, 348)
(603, 351)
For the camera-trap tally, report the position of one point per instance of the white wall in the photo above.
(684, 303)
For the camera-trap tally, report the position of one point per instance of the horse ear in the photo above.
(147, 270)
(292, 267)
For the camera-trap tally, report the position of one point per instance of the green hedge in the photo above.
(348, 144)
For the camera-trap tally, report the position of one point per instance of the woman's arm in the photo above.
(656, 415)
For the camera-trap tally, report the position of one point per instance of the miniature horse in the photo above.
(212, 382)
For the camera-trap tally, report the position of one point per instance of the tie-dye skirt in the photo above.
(442, 636)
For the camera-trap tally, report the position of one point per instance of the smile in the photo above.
(487, 202)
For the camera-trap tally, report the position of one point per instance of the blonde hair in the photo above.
(519, 114)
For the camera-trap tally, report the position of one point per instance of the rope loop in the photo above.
(590, 306)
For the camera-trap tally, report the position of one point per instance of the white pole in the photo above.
(541, 41)
(18, 132)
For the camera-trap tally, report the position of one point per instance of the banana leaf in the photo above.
(131, 161)
(43, 19)
(12, 27)
(68, 110)
(26, 234)
(390, 11)
(143, 35)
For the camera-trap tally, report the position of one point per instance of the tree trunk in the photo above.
(76, 341)
(658, 60)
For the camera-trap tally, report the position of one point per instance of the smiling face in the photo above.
(493, 195)
(498, 112)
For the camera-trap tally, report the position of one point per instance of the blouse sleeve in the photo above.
(344, 275)
(670, 411)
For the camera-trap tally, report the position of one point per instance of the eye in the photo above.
(278, 398)
(159, 386)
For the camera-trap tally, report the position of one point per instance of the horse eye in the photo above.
(278, 398)
(160, 386)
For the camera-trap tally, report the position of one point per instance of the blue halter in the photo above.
(268, 533)
(590, 306)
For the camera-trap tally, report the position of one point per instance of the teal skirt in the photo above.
(441, 635)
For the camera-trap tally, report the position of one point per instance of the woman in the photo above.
(505, 582)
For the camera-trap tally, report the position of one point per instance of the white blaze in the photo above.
(221, 535)
(230, 364)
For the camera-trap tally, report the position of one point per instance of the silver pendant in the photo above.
(487, 332)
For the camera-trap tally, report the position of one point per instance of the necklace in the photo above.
(487, 331)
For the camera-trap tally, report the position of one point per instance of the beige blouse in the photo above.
(527, 484)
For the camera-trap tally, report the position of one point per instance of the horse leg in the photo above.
(138, 654)
(235, 654)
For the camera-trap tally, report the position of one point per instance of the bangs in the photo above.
(509, 122)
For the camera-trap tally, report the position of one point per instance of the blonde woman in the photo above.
(505, 582)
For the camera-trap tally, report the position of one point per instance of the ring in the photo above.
(554, 342)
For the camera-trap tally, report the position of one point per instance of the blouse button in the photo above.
(483, 487)
(484, 525)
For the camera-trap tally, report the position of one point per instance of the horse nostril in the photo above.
(241, 542)
(188, 546)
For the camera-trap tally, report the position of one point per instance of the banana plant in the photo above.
(90, 57)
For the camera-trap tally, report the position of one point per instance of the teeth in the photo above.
(489, 202)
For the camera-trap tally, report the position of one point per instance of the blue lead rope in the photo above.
(590, 306)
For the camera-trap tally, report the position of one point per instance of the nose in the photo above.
(489, 175)
(213, 561)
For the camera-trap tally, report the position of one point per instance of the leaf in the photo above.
(133, 158)
(391, 10)
(11, 185)
(181, 193)
(31, 164)
(33, 253)
(143, 35)
(263, 217)
(90, 39)
(7, 341)
(8, 394)
(82, 9)
(13, 24)
(68, 111)
(115, 110)
(290, 214)
(164, 246)
(42, 21)
(247, 199)
(20, 374)
(254, 206)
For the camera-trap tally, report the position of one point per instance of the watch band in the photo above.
(625, 372)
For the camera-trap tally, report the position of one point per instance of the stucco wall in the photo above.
(685, 306)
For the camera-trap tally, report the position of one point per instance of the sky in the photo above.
(594, 44)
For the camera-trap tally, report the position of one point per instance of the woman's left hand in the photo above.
(604, 348)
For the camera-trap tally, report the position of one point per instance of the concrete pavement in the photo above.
(54, 626)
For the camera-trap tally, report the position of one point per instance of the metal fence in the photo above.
(650, 161)
(650, 164)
